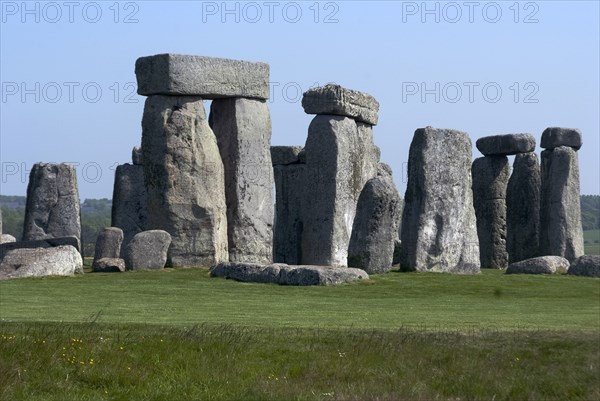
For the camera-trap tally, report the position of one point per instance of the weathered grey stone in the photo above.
(439, 231)
(523, 209)
(52, 208)
(587, 265)
(108, 243)
(248, 272)
(490, 179)
(7, 239)
(561, 233)
(129, 202)
(396, 259)
(279, 273)
(63, 260)
(287, 233)
(208, 77)
(284, 155)
(302, 156)
(184, 180)
(539, 265)
(336, 100)
(0, 221)
(147, 250)
(137, 157)
(243, 131)
(340, 158)
(44, 243)
(554, 137)
(505, 145)
(375, 226)
(304, 275)
(108, 265)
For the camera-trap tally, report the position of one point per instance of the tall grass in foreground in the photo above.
(50, 361)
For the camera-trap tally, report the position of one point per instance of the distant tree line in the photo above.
(590, 212)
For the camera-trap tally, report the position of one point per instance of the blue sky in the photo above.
(68, 83)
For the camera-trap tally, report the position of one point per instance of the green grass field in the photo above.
(177, 334)
(592, 242)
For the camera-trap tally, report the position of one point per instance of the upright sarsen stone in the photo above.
(184, 180)
(490, 178)
(561, 233)
(287, 233)
(523, 209)
(340, 158)
(243, 131)
(438, 222)
(52, 208)
(130, 202)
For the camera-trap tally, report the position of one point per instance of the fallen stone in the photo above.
(340, 158)
(7, 239)
(490, 178)
(108, 265)
(243, 131)
(63, 260)
(539, 265)
(561, 233)
(587, 265)
(136, 156)
(52, 208)
(523, 209)
(44, 243)
(506, 145)
(375, 226)
(208, 77)
(108, 243)
(284, 155)
(554, 137)
(184, 180)
(130, 202)
(288, 227)
(279, 273)
(147, 250)
(336, 100)
(439, 231)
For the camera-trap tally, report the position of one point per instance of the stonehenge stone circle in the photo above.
(506, 145)
(490, 179)
(147, 250)
(108, 243)
(439, 231)
(243, 131)
(539, 265)
(129, 202)
(280, 273)
(63, 260)
(587, 265)
(184, 180)
(288, 227)
(340, 158)
(523, 208)
(207, 77)
(52, 209)
(554, 137)
(561, 233)
(108, 265)
(333, 99)
(375, 226)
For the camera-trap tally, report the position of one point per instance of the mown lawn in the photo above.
(177, 334)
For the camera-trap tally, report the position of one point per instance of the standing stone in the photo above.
(375, 226)
(439, 231)
(130, 202)
(136, 156)
(52, 208)
(108, 243)
(243, 131)
(287, 237)
(561, 233)
(284, 155)
(490, 178)
(340, 158)
(184, 180)
(147, 250)
(523, 209)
